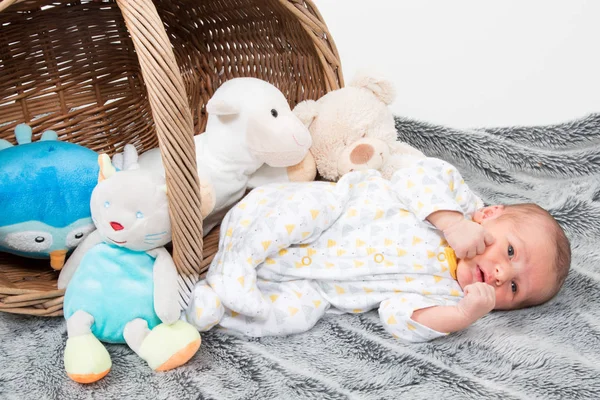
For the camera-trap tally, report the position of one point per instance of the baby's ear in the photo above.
(488, 213)
(106, 168)
(382, 88)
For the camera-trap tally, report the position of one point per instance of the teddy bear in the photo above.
(352, 129)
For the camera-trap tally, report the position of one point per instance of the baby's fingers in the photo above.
(471, 252)
(480, 247)
(491, 292)
(488, 238)
(475, 288)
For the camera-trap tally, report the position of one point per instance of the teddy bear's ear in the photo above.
(382, 88)
(307, 111)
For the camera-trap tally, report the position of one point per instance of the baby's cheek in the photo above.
(502, 300)
(464, 275)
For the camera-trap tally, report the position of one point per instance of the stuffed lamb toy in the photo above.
(121, 283)
(250, 124)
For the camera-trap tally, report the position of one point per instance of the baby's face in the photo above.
(519, 264)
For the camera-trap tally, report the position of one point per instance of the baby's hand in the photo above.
(480, 299)
(467, 238)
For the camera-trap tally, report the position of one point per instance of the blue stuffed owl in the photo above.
(45, 191)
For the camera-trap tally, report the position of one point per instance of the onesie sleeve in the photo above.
(396, 313)
(431, 185)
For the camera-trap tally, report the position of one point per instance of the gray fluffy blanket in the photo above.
(549, 352)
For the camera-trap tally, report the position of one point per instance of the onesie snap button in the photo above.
(441, 257)
(378, 258)
(306, 260)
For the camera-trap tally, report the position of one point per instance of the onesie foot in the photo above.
(205, 309)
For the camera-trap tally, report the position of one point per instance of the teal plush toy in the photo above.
(121, 283)
(45, 190)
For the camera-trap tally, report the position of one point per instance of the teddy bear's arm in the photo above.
(304, 171)
(74, 260)
(401, 156)
(166, 291)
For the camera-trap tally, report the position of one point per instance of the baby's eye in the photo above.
(139, 215)
(513, 287)
(511, 251)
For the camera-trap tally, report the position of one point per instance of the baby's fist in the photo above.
(480, 299)
(467, 238)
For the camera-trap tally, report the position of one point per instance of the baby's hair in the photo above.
(527, 212)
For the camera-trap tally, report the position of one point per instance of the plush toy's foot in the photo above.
(86, 359)
(170, 346)
(304, 171)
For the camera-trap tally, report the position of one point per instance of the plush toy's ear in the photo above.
(307, 111)
(221, 107)
(5, 144)
(49, 135)
(117, 161)
(106, 168)
(23, 133)
(130, 157)
(382, 88)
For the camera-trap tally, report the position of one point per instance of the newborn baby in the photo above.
(421, 248)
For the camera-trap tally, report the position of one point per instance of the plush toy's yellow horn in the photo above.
(106, 168)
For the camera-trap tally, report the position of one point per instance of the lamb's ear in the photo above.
(307, 111)
(106, 168)
(217, 106)
(382, 88)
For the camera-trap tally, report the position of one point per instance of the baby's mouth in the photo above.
(480, 274)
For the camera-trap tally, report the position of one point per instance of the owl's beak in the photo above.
(57, 259)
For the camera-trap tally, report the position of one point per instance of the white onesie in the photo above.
(288, 253)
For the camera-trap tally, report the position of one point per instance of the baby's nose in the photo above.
(501, 273)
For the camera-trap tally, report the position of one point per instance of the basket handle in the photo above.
(175, 131)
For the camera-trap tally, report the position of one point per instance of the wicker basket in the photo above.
(105, 73)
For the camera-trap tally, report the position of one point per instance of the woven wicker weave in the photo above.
(104, 73)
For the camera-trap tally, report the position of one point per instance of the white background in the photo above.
(469, 63)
